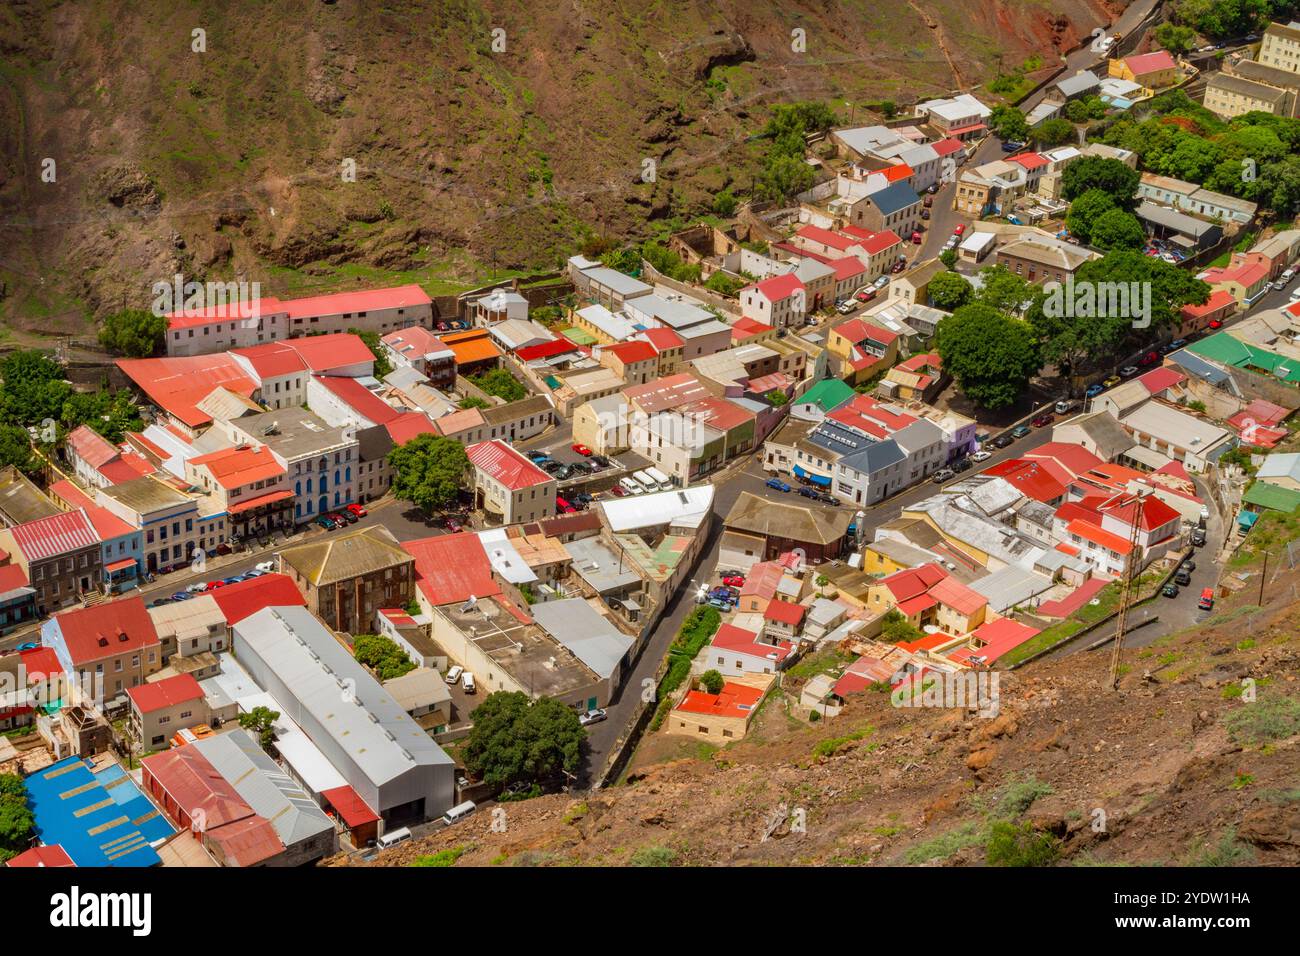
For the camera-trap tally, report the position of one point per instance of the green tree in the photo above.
(34, 388)
(1054, 132)
(16, 819)
(260, 721)
(1009, 124)
(382, 655)
(1085, 211)
(473, 401)
(776, 398)
(626, 260)
(712, 681)
(948, 257)
(517, 739)
(1003, 290)
(949, 291)
(1174, 38)
(501, 383)
(136, 333)
(723, 284)
(112, 414)
(895, 629)
(724, 203)
(382, 363)
(1117, 229)
(428, 471)
(16, 449)
(1099, 172)
(991, 355)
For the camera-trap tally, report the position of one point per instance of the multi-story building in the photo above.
(248, 483)
(161, 708)
(863, 350)
(509, 487)
(106, 649)
(779, 301)
(346, 578)
(1041, 260)
(319, 459)
(174, 527)
(61, 556)
(1280, 47)
(423, 351)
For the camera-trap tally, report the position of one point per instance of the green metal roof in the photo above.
(1273, 497)
(828, 394)
(1226, 350)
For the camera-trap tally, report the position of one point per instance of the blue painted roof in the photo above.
(100, 819)
(894, 197)
(856, 450)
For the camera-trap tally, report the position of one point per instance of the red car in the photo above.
(898, 267)
(213, 585)
(1215, 324)
(563, 506)
(1044, 419)
(357, 510)
(734, 581)
(452, 524)
(866, 295)
(961, 227)
(916, 238)
(1151, 358)
(582, 450)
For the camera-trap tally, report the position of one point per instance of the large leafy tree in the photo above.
(1054, 132)
(949, 290)
(1009, 123)
(1099, 172)
(382, 655)
(428, 471)
(1085, 211)
(1117, 229)
(110, 413)
(501, 383)
(1003, 290)
(16, 820)
(16, 449)
(136, 333)
(34, 388)
(517, 739)
(1074, 341)
(989, 353)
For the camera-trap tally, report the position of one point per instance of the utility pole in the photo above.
(1125, 591)
(1262, 576)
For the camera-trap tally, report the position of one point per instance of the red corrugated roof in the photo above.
(1155, 513)
(259, 501)
(359, 398)
(1159, 379)
(633, 351)
(409, 425)
(776, 288)
(1153, 62)
(913, 581)
(1029, 478)
(354, 811)
(952, 593)
(238, 601)
(451, 568)
(560, 346)
(873, 243)
(58, 534)
(273, 359)
(733, 638)
(177, 384)
(784, 612)
(1219, 299)
(663, 339)
(848, 267)
(165, 693)
(1098, 535)
(946, 147)
(90, 446)
(503, 464)
(1030, 161)
(235, 467)
(42, 856)
(897, 172)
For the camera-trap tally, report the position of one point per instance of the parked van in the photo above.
(467, 682)
(394, 837)
(647, 482)
(458, 812)
(1206, 603)
(660, 478)
(453, 675)
(630, 486)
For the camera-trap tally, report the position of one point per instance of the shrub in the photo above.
(654, 856)
(1272, 718)
(712, 681)
(1012, 844)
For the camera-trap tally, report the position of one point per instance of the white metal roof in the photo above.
(683, 507)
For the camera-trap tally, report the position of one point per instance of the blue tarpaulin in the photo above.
(815, 479)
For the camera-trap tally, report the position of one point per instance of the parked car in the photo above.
(182, 596)
(1066, 405)
(808, 492)
(356, 509)
(866, 295)
(916, 238)
(927, 202)
(1003, 440)
(844, 308)
(1151, 358)
(1170, 590)
(161, 601)
(537, 457)
(960, 465)
(601, 461)
(1183, 577)
(563, 473)
(266, 567)
(1043, 420)
(981, 455)
(1010, 146)
(734, 581)
(1189, 564)
(249, 575)
(452, 523)
(881, 282)
(213, 585)
(197, 588)
(720, 605)
(339, 518)
(899, 266)
(1206, 603)
(942, 475)
(1111, 381)
(592, 717)
(1216, 323)
(326, 523)
(777, 484)
(959, 229)
(453, 674)
(581, 449)
(925, 214)
(1198, 537)
(1020, 431)
(1094, 390)
(551, 467)
(827, 499)
(1128, 371)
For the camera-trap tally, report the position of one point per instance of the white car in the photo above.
(197, 588)
(592, 717)
(266, 567)
(453, 675)
(981, 455)
(881, 283)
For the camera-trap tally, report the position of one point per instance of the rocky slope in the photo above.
(222, 154)
(1174, 767)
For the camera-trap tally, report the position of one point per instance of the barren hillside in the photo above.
(473, 149)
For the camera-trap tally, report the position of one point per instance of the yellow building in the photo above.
(1152, 71)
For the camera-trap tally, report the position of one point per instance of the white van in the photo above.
(660, 478)
(458, 812)
(467, 682)
(453, 675)
(394, 837)
(646, 481)
(630, 486)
